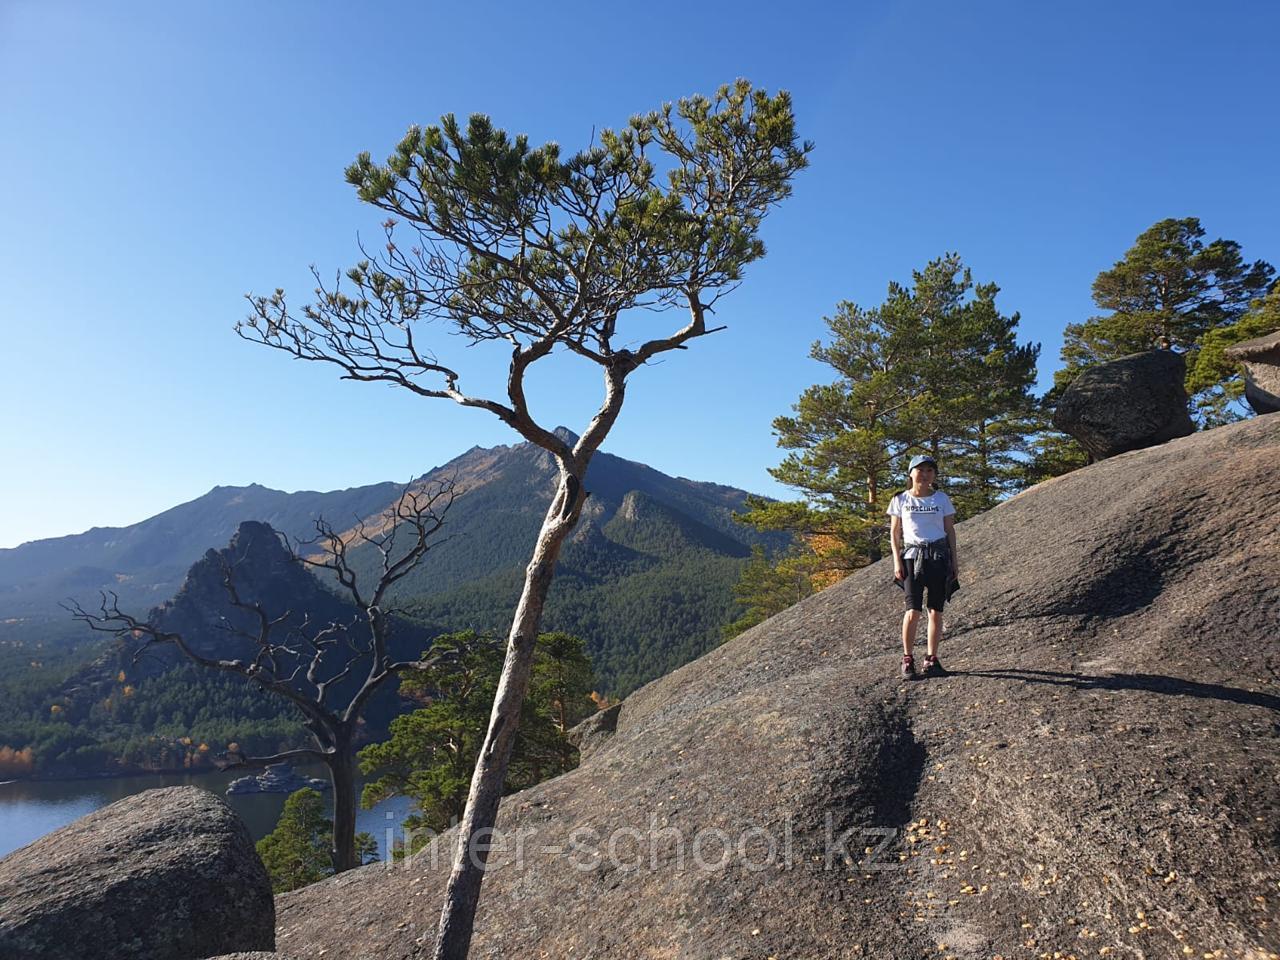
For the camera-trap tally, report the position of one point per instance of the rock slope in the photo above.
(1097, 776)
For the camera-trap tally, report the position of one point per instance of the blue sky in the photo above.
(158, 161)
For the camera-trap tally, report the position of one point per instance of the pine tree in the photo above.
(979, 380)
(296, 852)
(845, 436)
(1170, 291)
(432, 750)
(560, 691)
(1050, 452)
(1212, 370)
(770, 586)
(543, 253)
(936, 368)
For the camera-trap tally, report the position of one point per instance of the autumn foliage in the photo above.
(16, 763)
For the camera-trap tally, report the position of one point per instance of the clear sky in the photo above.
(160, 160)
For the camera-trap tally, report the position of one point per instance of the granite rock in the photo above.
(1261, 359)
(1127, 404)
(168, 874)
(1105, 743)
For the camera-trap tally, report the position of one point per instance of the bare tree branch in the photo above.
(296, 658)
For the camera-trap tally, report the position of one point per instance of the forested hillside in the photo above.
(646, 581)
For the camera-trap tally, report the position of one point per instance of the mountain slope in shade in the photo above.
(146, 562)
(107, 723)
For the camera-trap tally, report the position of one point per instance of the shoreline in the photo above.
(121, 774)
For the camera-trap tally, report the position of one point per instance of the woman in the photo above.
(923, 534)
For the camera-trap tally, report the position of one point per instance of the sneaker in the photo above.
(908, 667)
(933, 667)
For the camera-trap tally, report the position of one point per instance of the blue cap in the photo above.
(920, 458)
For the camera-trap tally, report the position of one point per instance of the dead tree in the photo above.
(518, 245)
(306, 662)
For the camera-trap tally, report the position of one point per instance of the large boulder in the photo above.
(1261, 359)
(1134, 402)
(167, 874)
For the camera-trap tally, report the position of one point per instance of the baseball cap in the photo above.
(920, 458)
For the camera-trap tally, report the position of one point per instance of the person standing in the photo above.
(922, 533)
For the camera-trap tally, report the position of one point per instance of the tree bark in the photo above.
(342, 776)
(989, 492)
(873, 541)
(462, 895)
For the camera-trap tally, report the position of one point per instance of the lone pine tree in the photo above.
(522, 246)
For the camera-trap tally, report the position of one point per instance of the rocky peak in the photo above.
(567, 435)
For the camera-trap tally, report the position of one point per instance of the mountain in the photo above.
(504, 493)
(146, 562)
(1095, 777)
(506, 490)
(142, 706)
(646, 580)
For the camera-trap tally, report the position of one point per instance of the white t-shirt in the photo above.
(921, 516)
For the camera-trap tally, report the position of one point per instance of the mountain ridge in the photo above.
(145, 562)
(646, 580)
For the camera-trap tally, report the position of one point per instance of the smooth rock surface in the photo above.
(1261, 359)
(167, 874)
(1099, 769)
(1135, 402)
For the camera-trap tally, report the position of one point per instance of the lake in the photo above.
(31, 808)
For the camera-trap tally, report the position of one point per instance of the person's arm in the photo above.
(895, 541)
(949, 524)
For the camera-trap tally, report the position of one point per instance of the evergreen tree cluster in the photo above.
(179, 719)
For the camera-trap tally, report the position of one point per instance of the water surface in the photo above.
(31, 808)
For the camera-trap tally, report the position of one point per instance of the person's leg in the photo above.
(935, 631)
(937, 587)
(913, 591)
(910, 622)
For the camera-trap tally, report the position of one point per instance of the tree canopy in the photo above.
(517, 243)
(297, 852)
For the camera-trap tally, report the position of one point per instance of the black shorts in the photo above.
(934, 576)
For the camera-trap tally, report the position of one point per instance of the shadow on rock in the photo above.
(1149, 682)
